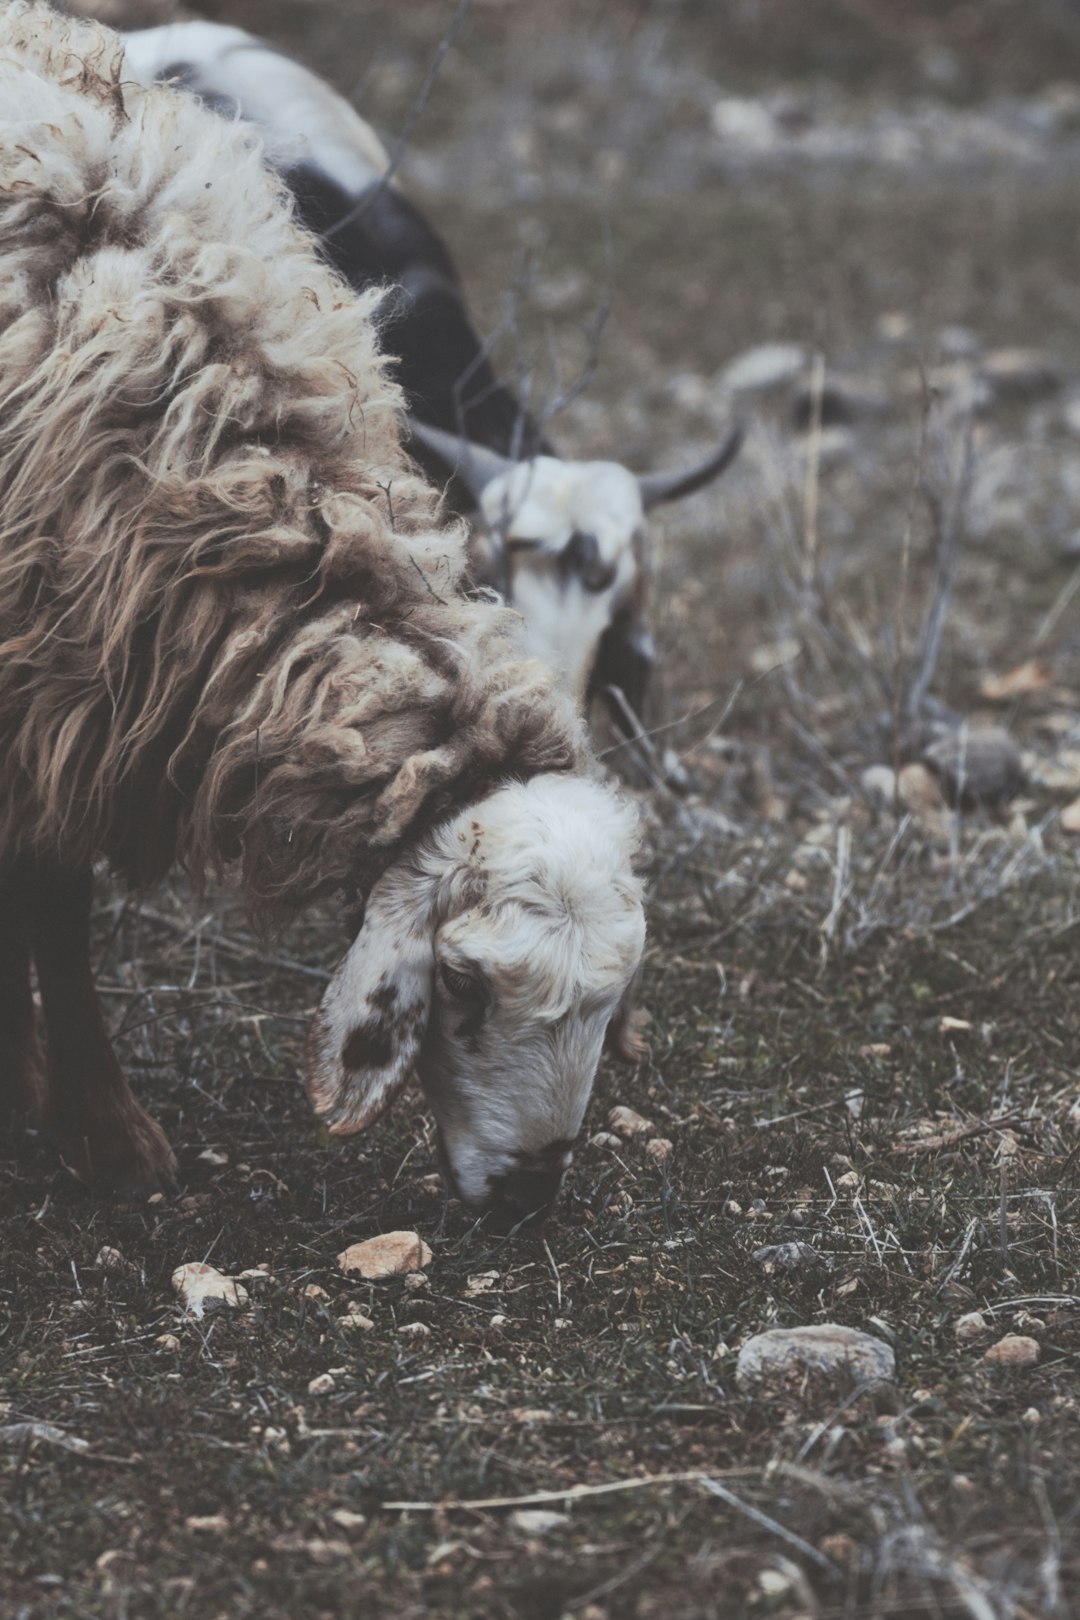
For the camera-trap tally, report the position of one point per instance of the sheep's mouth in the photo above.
(522, 1200)
(517, 1201)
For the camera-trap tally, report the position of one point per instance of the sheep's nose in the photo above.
(522, 1196)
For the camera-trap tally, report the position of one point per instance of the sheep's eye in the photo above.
(467, 987)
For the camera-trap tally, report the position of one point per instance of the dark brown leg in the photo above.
(22, 1074)
(102, 1133)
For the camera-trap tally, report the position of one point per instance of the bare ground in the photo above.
(863, 1020)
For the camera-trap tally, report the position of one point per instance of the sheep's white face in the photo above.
(494, 960)
(571, 533)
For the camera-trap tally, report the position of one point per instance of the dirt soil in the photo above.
(864, 995)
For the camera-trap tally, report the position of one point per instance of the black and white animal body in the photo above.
(563, 539)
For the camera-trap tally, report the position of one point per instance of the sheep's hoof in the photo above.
(126, 1155)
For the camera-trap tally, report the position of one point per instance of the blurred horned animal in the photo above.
(234, 636)
(563, 540)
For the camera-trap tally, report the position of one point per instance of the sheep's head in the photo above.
(566, 548)
(495, 959)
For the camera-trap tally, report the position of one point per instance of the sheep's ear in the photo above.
(365, 1037)
(624, 1039)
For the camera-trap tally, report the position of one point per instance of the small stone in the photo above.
(604, 1139)
(415, 1330)
(1031, 1418)
(207, 1524)
(314, 1291)
(538, 1521)
(394, 1254)
(317, 1548)
(1014, 1350)
(323, 1384)
(787, 1256)
(850, 1181)
(766, 366)
(954, 1026)
(1034, 675)
(972, 1325)
(776, 1585)
(110, 1259)
(481, 1282)
(919, 790)
(346, 1519)
(415, 1281)
(213, 1156)
(1070, 817)
(201, 1286)
(744, 122)
(167, 1341)
(770, 655)
(255, 1276)
(626, 1122)
(895, 326)
(976, 765)
(879, 784)
(659, 1150)
(357, 1320)
(826, 1352)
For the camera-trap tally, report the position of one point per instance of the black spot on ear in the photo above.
(385, 996)
(370, 1046)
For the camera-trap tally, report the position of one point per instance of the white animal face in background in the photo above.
(570, 531)
(494, 960)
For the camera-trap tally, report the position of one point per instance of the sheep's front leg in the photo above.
(22, 1073)
(102, 1133)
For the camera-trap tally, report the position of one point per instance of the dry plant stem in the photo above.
(948, 1139)
(402, 144)
(572, 1493)
(812, 484)
(756, 1516)
(234, 948)
(898, 694)
(948, 522)
(647, 755)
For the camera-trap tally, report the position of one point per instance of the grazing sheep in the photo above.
(564, 538)
(232, 635)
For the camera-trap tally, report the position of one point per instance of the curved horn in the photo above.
(657, 487)
(474, 464)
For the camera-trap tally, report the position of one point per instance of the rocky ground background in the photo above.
(855, 225)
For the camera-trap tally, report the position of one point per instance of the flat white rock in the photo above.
(1014, 1350)
(768, 365)
(972, 1325)
(538, 1521)
(110, 1259)
(628, 1122)
(822, 1350)
(200, 1285)
(393, 1254)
